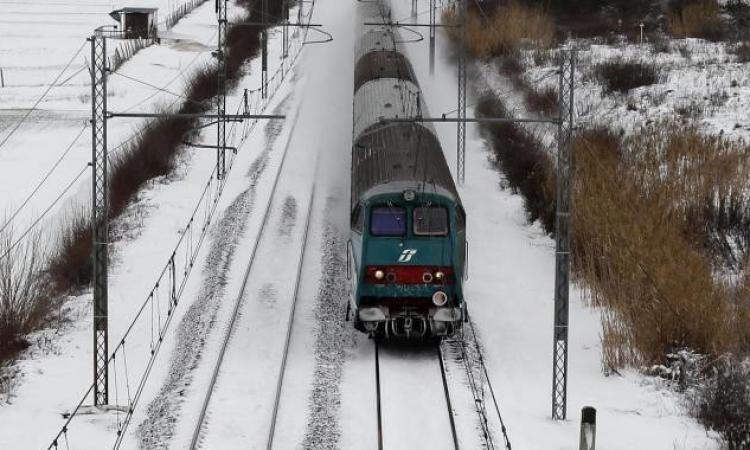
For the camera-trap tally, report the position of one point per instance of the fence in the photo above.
(178, 13)
(126, 50)
(134, 361)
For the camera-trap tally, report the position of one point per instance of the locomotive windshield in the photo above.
(388, 221)
(431, 221)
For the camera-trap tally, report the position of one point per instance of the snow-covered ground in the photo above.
(696, 79)
(37, 40)
(328, 400)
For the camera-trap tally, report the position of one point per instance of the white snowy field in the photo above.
(37, 40)
(56, 370)
(328, 400)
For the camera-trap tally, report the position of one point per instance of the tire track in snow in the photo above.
(158, 428)
(332, 337)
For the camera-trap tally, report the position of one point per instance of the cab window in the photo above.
(431, 221)
(388, 221)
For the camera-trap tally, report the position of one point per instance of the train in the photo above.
(407, 246)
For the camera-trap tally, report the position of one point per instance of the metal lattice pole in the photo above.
(285, 32)
(99, 213)
(461, 124)
(433, 20)
(562, 239)
(221, 97)
(264, 52)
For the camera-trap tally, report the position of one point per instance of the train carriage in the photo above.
(408, 226)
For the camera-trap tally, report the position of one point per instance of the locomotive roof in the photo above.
(406, 154)
(382, 64)
(385, 98)
(375, 40)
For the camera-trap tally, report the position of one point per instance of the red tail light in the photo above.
(409, 275)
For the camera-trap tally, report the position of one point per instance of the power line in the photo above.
(179, 74)
(39, 100)
(39, 219)
(46, 176)
(160, 89)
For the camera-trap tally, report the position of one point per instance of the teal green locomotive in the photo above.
(408, 226)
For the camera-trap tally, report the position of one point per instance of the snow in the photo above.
(328, 399)
(692, 73)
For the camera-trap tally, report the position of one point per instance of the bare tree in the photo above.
(23, 293)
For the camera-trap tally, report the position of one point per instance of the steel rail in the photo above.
(446, 391)
(282, 368)
(489, 382)
(377, 392)
(238, 301)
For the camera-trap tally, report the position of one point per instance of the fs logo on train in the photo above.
(407, 254)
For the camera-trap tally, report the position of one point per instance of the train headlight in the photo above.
(440, 276)
(439, 298)
(409, 195)
(427, 278)
(379, 274)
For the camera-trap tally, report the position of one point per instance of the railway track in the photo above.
(465, 353)
(254, 263)
(406, 380)
(405, 390)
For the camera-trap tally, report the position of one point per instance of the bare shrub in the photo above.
(742, 50)
(509, 27)
(201, 88)
(24, 297)
(244, 42)
(724, 402)
(688, 110)
(148, 156)
(619, 75)
(69, 266)
(524, 162)
(696, 18)
(543, 101)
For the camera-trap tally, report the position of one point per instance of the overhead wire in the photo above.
(41, 216)
(160, 89)
(44, 179)
(44, 94)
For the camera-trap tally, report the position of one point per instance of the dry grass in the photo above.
(635, 246)
(702, 180)
(697, 18)
(511, 26)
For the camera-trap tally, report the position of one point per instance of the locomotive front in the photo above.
(408, 228)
